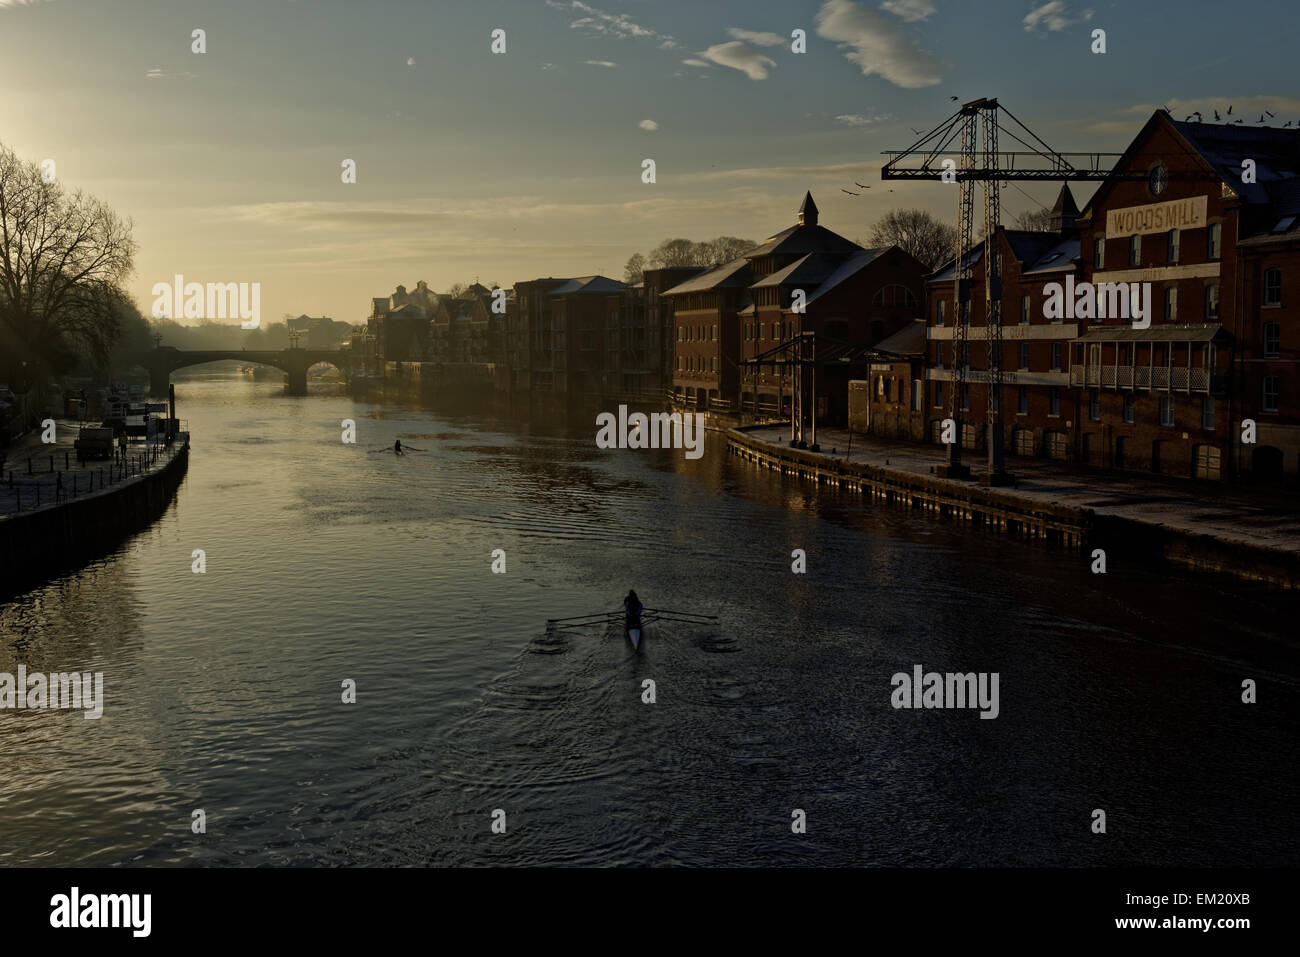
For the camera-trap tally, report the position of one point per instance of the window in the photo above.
(965, 313)
(938, 356)
(681, 331)
(1024, 310)
(893, 295)
(1022, 400)
(679, 363)
(997, 400)
(938, 313)
(1135, 250)
(1128, 409)
(1272, 338)
(713, 364)
(1270, 393)
(1171, 303)
(1207, 412)
(1054, 401)
(715, 332)
(1173, 246)
(1214, 240)
(1024, 355)
(1094, 406)
(1272, 287)
(916, 395)
(965, 355)
(965, 397)
(1099, 252)
(1167, 411)
(938, 395)
(1056, 357)
(1212, 301)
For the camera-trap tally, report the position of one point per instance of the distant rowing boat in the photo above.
(635, 633)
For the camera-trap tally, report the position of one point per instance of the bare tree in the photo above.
(674, 252)
(458, 290)
(634, 268)
(63, 257)
(723, 249)
(1035, 221)
(918, 232)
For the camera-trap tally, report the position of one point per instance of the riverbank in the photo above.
(56, 514)
(1133, 518)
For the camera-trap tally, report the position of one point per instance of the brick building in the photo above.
(803, 279)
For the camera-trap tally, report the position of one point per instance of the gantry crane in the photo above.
(964, 167)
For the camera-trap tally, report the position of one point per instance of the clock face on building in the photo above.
(1157, 179)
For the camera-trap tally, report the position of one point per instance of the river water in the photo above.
(327, 562)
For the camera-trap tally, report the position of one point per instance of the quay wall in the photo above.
(1003, 510)
(35, 545)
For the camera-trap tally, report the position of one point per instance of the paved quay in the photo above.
(1260, 518)
(49, 474)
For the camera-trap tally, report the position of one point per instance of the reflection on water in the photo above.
(328, 562)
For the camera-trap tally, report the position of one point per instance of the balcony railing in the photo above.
(1162, 378)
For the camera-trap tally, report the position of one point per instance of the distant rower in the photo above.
(397, 446)
(632, 610)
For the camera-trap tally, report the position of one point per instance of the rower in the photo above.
(397, 446)
(632, 610)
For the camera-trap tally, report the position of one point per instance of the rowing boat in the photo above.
(633, 634)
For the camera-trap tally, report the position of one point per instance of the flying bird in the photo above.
(1197, 114)
(856, 183)
(849, 191)
(1230, 109)
(952, 97)
(1261, 118)
(1268, 114)
(1286, 124)
(917, 132)
(1217, 116)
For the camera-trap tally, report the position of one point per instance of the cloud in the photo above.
(758, 39)
(910, 10)
(410, 61)
(878, 45)
(157, 73)
(18, 3)
(669, 45)
(650, 125)
(1054, 16)
(548, 66)
(740, 57)
(694, 62)
(605, 63)
(598, 23)
(857, 119)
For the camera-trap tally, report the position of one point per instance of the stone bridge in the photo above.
(163, 361)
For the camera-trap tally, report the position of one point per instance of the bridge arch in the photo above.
(164, 360)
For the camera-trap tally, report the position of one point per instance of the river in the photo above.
(328, 562)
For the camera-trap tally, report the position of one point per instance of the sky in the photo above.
(507, 166)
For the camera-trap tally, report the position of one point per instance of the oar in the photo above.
(682, 614)
(603, 614)
(411, 448)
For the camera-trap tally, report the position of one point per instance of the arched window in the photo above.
(894, 294)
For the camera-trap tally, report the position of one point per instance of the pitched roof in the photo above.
(729, 275)
(811, 270)
(1058, 258)
(1169, 332)
(908, 341)
(588, 284)
(800, 240)
(1276, 153)
(849, 267)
